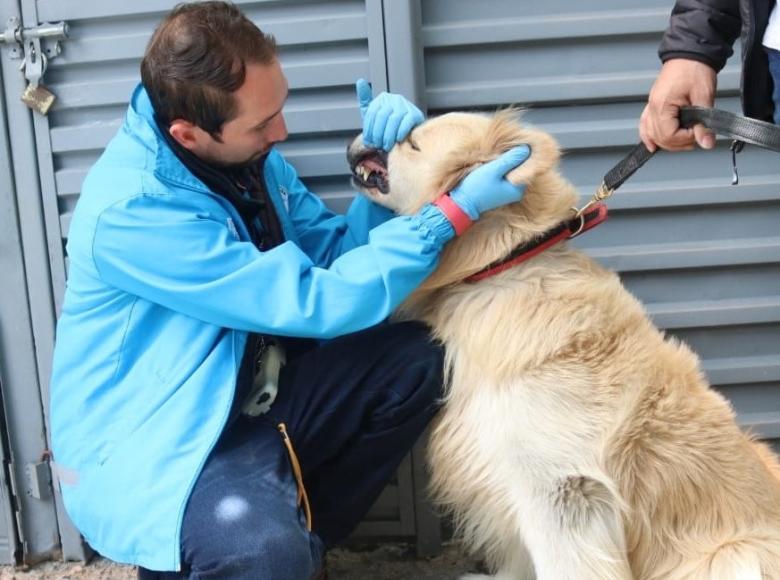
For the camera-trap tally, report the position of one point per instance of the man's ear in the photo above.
(185, 133)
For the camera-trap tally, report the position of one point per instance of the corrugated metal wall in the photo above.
(702, 254)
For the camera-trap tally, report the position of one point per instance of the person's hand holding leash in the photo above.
(486, 188)
(387, 119)
(681, 82)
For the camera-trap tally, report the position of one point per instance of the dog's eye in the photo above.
(412, 144)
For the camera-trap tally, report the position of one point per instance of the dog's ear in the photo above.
(506, 132)
(456, 173)
(544, 157)
(503, 133)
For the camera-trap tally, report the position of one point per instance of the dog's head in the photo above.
(439, 153)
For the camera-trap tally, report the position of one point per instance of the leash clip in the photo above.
(736, 147)
(579, 214)
(603, 192)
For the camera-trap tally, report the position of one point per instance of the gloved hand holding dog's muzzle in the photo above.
(487, 188)
(387, 119)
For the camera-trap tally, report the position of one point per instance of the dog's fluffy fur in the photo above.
(576, 441)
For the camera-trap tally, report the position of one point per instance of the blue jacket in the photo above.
(163, 287)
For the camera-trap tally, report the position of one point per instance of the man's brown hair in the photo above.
(197, 58)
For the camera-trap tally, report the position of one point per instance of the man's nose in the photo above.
(279, 129)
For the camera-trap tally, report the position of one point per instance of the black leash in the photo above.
(741, 129)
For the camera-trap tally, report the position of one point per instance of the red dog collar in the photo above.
(563, 231)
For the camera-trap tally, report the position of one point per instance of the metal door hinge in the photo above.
(35, 46)
(38, 480)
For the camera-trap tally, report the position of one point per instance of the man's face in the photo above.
(258, 125)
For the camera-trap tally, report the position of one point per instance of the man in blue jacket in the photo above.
(196, 255)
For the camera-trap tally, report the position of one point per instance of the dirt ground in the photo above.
(382, 562)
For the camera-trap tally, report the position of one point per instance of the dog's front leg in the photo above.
(574, 531)
(516, 565)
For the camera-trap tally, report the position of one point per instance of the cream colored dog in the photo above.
(576, 441)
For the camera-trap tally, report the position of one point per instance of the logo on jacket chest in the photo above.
(285, 195)
(231, 225)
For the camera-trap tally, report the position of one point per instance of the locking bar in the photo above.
(57, 30)
(15, 35)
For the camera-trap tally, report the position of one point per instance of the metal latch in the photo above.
(36, 46)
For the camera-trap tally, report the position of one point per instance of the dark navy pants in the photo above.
(353, 408)
(774, 69)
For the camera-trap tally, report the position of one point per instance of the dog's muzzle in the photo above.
(369, 168)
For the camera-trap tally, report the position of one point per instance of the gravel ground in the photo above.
(382, 562)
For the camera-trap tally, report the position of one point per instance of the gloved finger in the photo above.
(364, 95)
(413, 118)
(509, 160)
(377, 129)
(391, 130)
(368, 125)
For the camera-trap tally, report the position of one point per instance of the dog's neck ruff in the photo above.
(527, 250)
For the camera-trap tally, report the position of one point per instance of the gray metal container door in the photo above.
(27, 308)
(9, 543)
(12, 292)
(325, 45)
(704, 256)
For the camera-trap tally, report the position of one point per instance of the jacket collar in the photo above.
(167, 166)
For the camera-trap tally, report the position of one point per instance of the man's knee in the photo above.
(422, 357)
(278, 551)
(412, 342)
(413, 365)
(286, 554)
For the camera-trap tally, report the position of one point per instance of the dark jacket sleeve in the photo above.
(702, 30)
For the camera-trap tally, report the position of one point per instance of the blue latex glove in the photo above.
(485, 188)
(387, 119)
